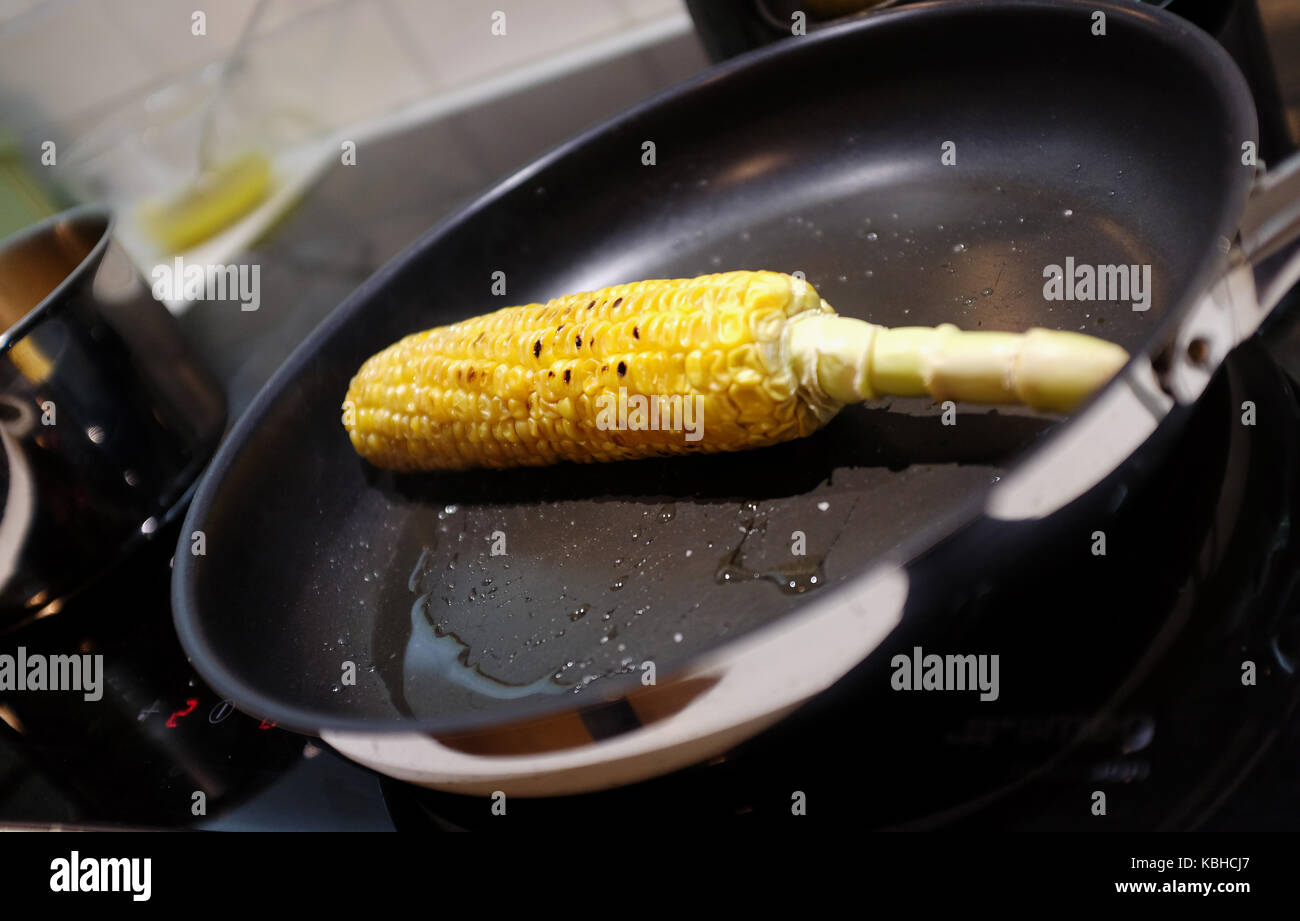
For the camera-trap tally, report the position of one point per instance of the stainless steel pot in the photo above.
(107, 415)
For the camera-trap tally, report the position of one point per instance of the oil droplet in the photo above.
(987, 292)
(580, 613)
(823, 506)
(959, 248)
(873, 236)
(803, 574)
(677, 637)
(1068, 212)
(667, 512)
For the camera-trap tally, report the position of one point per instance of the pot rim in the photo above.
(27, 321)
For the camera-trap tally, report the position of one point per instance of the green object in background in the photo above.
(22, 201)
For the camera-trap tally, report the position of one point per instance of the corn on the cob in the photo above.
(760, 353)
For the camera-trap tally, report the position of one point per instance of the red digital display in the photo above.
(190, 704)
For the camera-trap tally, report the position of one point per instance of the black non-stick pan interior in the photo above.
(823, 156)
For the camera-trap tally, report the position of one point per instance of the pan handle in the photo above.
(1263, 266)
(1270, 232)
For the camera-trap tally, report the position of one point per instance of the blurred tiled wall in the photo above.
(66, 64)
(1281, 20)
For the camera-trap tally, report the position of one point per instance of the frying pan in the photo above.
(551, 630)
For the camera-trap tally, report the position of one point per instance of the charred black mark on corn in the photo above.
(537, 348)
(567, 374)
(622, 368)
